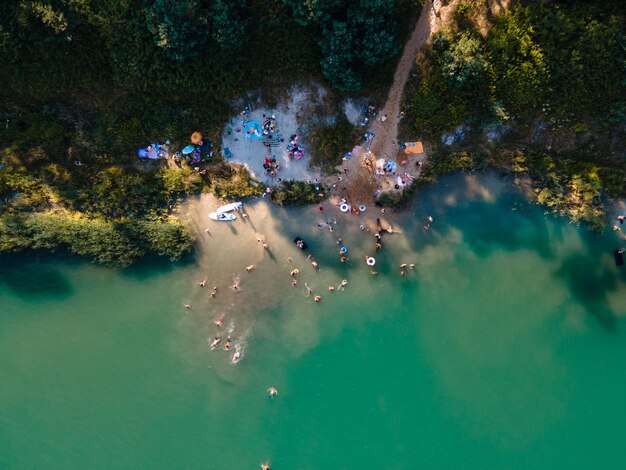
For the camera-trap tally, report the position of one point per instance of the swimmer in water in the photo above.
(290, 259)
(227, 344)
(250, 268)
(215, 342)
(344, 283)
(378, 246)
(272, 392)
(308, 289)
(314, 264)
(294, 282)
(331, 288)
(429, 219)
(403, 273)
(426, 227)
(187, 306)
(317, 298)
(295, 272)
(236, 283)
(236, 356)
(220, 321)
(265, 466)
(411, 266)
(203, 282)
(403, 265)
(374, 273)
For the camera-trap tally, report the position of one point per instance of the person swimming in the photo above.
(187, 306)
(215, 342)
(294, 272)
(317, 298)
(308, 290)
(250, 268)
(344, 283)
(236, 356)
(265, 466)
(227, 344)
(203, 282)
(272, 392)
(236, 283)
(411, 266)
(220, 321)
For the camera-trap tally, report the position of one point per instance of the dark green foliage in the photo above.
(463, 62)
(354, 36)
(561, 62)
(330, 143)
(518, 65)
(337, 57)
(114, 243)
(298, 193)
(307, 12)
(178, 27)
(228, 27)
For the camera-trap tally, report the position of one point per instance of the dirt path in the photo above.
(432, 18)
(360, 180)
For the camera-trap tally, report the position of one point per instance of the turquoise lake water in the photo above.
(505, 348)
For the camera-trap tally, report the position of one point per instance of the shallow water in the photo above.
(503, 349)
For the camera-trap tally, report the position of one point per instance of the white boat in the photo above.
(222, 217)
(233, 206)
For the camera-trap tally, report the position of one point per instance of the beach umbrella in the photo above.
(196, 138)
(187, 150)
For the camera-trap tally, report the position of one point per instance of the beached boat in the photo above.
(222, 217)
(233, 206)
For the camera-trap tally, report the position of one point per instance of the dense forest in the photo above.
(551, 74)
(89, 82)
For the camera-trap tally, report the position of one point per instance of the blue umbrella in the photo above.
(187, 150)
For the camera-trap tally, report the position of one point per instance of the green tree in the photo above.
(519, 71)
(178, 27)
(463, 62)
(314, 12)
(375, 39)
(337, 62)
(228, 27)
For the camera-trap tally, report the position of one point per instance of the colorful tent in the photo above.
(253, 130)
(413, 147)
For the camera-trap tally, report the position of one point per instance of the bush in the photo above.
(113, 243)
(298, 193)
(330, 143)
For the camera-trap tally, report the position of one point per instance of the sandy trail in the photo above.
(432, 18)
